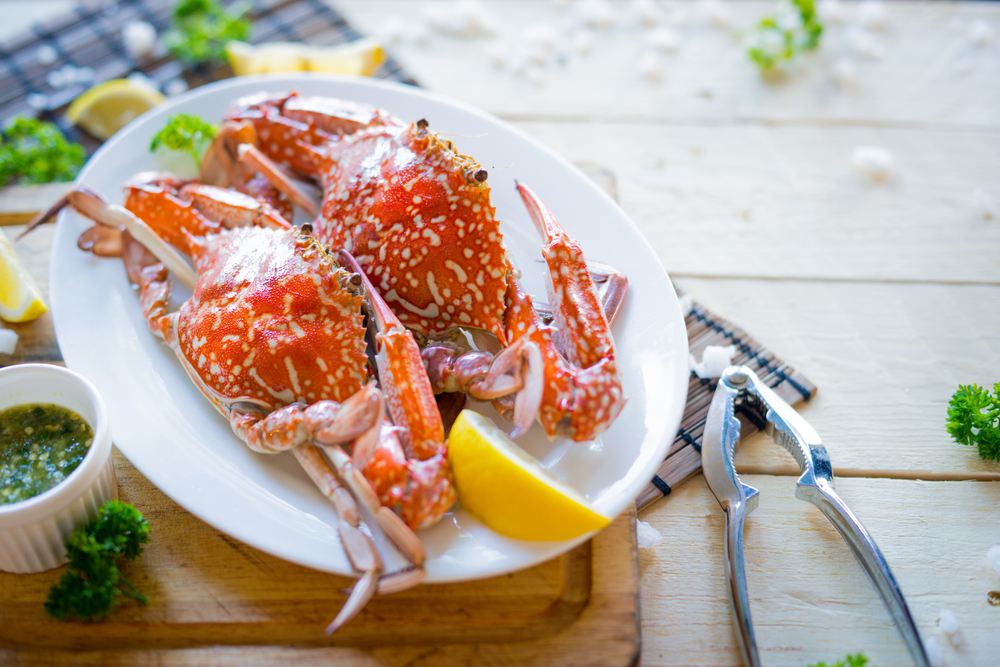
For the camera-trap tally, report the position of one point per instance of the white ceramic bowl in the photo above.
(32, 531)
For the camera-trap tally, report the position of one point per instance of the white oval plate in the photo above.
(186, 448)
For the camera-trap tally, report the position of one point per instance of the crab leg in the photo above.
(417, 476)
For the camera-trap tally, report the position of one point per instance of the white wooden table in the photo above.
(885, 294)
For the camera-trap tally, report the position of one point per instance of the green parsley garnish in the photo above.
(33, 151)
(202, 28)
(974, 419)
(93, 584)
(186, 133)
(779, 40)
(856, 660)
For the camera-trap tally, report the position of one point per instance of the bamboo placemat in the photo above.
(90, 36)
(705, 328)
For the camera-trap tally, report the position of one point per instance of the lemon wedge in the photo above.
(20, 298)
(360, 57)
(508, 490)
(109, 106)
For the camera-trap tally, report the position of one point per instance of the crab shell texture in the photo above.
(402, 201)
(272, 321)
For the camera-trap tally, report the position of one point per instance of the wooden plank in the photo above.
(810, 599)
(207, 589)
(931, 73)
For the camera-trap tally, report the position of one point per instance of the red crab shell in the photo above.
(271, 320)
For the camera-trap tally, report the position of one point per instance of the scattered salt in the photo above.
(535, 75)
(464, 18)
(647, 536)
(873, 14)
(37, 101)
(832, 11)
(686, 303)
(393, 30)
(714, 360)
(716, 12)
(980, 33)
(950, 626)
(994, 555)
(650, 65)
(596, 13)
(865, 45)
(844, 74)
(985, 204)
(539, 43)
(934, 653)
(664, 39)
(876, 162)
(175, 87)
(8, 341)
(647, 11)
(140, 79)
(583, 41)
(498, 54)
(138, 38)
(46, 55)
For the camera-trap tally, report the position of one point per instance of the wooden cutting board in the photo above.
(214, 600)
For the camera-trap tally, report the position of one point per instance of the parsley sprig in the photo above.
(33, 151)
(202, 28)
(93, 584)
(778, 40)
(855, 660)
(974, 419)
(186, 133)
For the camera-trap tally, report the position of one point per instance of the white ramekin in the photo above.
(32, 531)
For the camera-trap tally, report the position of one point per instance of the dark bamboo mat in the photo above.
(90, 36)
(705, 328)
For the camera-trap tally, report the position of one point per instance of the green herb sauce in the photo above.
(40, 445)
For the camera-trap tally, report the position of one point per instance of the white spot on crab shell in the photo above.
(459, 272)
(431, 310)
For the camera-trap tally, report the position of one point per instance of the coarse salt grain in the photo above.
(934, 653)
(596, 13)
(714, 360)
(650, 65)
(832, 11)
(844, 74)
(664, 39)
(647, 536)
(46, 55)
(873, 161)
(8, 341)
(948, 623)
(138, 38)
(980, 33)
(873, 14)
(985, 204)
(647, 11)
(994, 555)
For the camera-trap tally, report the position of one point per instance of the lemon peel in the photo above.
(361, 57)
(20, 298)
(508, 490)
(109, 106)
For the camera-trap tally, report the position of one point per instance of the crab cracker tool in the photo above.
(740, 389)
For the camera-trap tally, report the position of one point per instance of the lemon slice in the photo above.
(109, 106)
(361, 57)
(508, 490)
(20, 298)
